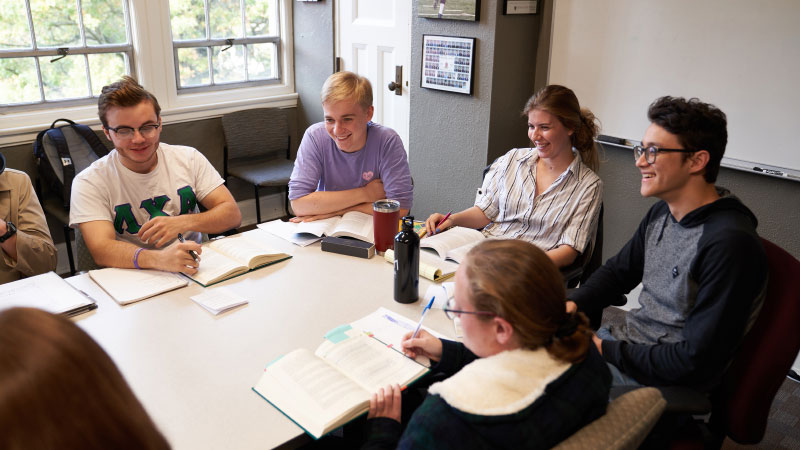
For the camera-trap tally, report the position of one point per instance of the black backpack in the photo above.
(63, 152)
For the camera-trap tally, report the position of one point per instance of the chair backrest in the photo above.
(742, 403)
(625, 425)
(85, 259)
(256, 132)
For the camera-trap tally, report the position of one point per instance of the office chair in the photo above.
(739, 406)
(625, 425)
(258, 150)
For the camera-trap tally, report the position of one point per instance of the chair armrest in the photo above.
(679, 399)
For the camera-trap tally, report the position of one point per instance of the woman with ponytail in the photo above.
(526, 375)
(547, 194)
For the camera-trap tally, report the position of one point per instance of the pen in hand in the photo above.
(424, 311)
(443, 220)
(191, 252)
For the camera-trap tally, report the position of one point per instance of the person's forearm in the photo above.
(562, 255)
(470, 218)
(10, 247)
(220, 218)
(326, 202)
(115, 253)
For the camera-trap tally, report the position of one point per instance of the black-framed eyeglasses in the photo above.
(127, 132)
(452, 313)
(652, 151)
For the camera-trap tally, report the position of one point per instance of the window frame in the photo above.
(83, 48)
(154, 67)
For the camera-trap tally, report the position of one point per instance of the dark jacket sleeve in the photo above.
(454, 356)
(382, 433)
(619, 275)
(730, 272)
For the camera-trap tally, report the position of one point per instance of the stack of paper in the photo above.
(219, 299)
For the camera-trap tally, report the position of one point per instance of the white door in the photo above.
(373, 38)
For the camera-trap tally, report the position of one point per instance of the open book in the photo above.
(232, 256)
(452, 244)
(324, 390)
(131, 285)
(430, 267)
(352, 224)
(47, 291)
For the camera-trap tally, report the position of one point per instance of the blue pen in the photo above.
(424, 311)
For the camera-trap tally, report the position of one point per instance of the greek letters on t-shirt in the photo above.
(124, 220)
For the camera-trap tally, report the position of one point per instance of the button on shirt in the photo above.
(564, 214)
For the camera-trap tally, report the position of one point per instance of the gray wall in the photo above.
(774, 201)
(313, 57)
(453, 136)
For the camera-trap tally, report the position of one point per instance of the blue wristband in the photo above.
(136, 258)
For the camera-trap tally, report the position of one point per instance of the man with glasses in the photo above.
(132, 204)
(696, 253)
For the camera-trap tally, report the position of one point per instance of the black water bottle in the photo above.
(406, 263)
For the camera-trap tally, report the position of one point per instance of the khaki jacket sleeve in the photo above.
(36, 252)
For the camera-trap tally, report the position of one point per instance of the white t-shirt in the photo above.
(107, 190)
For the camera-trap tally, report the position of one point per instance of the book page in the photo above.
(214, 265)
(130, 285)
(288, 231)
(311, 392)
(47, 291)
(318, 227)
(451, 239)
(458, 254)
(369, 362)
(355, 224)
(241, 249)
(430, 266)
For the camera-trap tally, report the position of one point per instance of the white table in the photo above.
(193, 371)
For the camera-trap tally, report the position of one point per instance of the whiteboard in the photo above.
(741, 55)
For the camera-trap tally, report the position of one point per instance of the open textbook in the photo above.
(232, 256)
(430, 267)
(453, 244)
(352, 224)
(47, 291)
(324, 390)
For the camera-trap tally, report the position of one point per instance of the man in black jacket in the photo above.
(696, 253)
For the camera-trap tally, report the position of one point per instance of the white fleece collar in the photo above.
(502, 384)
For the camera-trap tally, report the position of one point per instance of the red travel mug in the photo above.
(385, 220)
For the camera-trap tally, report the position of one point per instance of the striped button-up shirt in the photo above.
(564, 214)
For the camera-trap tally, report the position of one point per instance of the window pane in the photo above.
(193, 67)
(225, 18)
(65, 78)
(14, 33)
(18, 81)
(104, 22)
(55, 23)
(228, 65)
(106, 68)
(188, 19)
(258, 18)
(261, 61)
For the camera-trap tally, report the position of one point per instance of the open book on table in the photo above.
(323, 390)
(47, 291)
(352, 224)
(430, 266)
(233, 256)
(452, 244)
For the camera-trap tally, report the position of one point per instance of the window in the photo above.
(217, 43)
(176, 49)
(61, 52)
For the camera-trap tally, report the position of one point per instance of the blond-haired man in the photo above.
(347, 161)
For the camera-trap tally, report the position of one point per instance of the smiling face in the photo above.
(669, 175)
(137, 153)
(346, 123)
(550, 137)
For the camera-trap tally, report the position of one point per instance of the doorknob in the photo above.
(397, 84)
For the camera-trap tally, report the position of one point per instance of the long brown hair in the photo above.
(561, 102)
(517, 281)
(59, 389)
